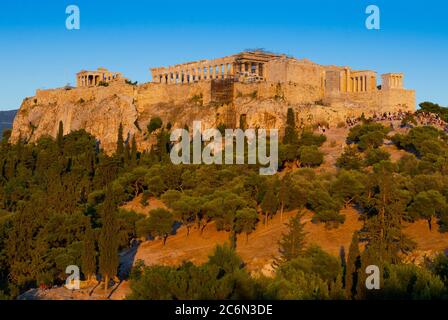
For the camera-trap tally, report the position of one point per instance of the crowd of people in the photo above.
(420, 118)
(395, 119)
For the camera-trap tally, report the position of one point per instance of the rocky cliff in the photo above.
(100, 110)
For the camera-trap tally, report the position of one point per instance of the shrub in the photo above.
(311, 156)
(376, 155)
(409, 282)
(350, 159)
(154, 124)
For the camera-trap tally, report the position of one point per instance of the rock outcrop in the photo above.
(100, 110)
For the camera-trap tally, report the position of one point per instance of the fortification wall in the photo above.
(290, 92)
(378, 101)
(156, 93)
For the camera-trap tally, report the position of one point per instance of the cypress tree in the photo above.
(127, 153)
(292, 243)
(353, 265)
(120, 141)
(291, 136)
(88, 257)
(269, 205)
(108, 240)
(133, 152)
(60, 136)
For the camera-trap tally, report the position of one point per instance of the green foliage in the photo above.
(54, 194)
(159, 224)
(292, 243)
(246, 221)
(308, 138)
(130, 82)
(434, 108)
(310, 156)
(422, 141)
(269, 205)
(409, 282)
(326, 208)
(88, 257)
(291, 136)
(350, 159)
(108, 240)
(388, 198)
(222, 277)
(154, 124)
(439, 266)
(376, 155)
(353, 267)
(120, 142)
(427, 205)
(313, 275)
(367, 135)
(349, 186)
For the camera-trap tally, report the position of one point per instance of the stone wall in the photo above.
(222, 91)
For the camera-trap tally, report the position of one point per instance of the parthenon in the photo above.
(249, 65)
(261, 66)
(86, 78)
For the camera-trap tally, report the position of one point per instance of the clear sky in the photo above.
(37, 51)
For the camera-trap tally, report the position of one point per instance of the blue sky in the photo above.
(37, 51)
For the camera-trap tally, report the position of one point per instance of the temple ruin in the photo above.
(261, 66)
(97, 77)
(264, 75)
(249, 66)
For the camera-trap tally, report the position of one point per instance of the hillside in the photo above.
(261, 247)
(258, 252)
(101, 110)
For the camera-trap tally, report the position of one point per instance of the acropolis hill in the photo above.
(256, 86)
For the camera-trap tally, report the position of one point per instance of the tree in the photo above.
(348, 186)
(376, 155)
(225, 206)
(127, 153)
(383, 229)
(291, 136)
(246, 220)
(120, 141)
(160, 223)
(186, 210)
(427, 204)
(154, 124)
(88, 257)
(410, 282)
(308, 138)
(310, 156)
(350, 159)
(285, 193)
(108, 239)
(269, 205)
(292, 243)
(60, 136)
(367, 135)
(434, 108)
(353, 265)
(225, 257)
(133, 152)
